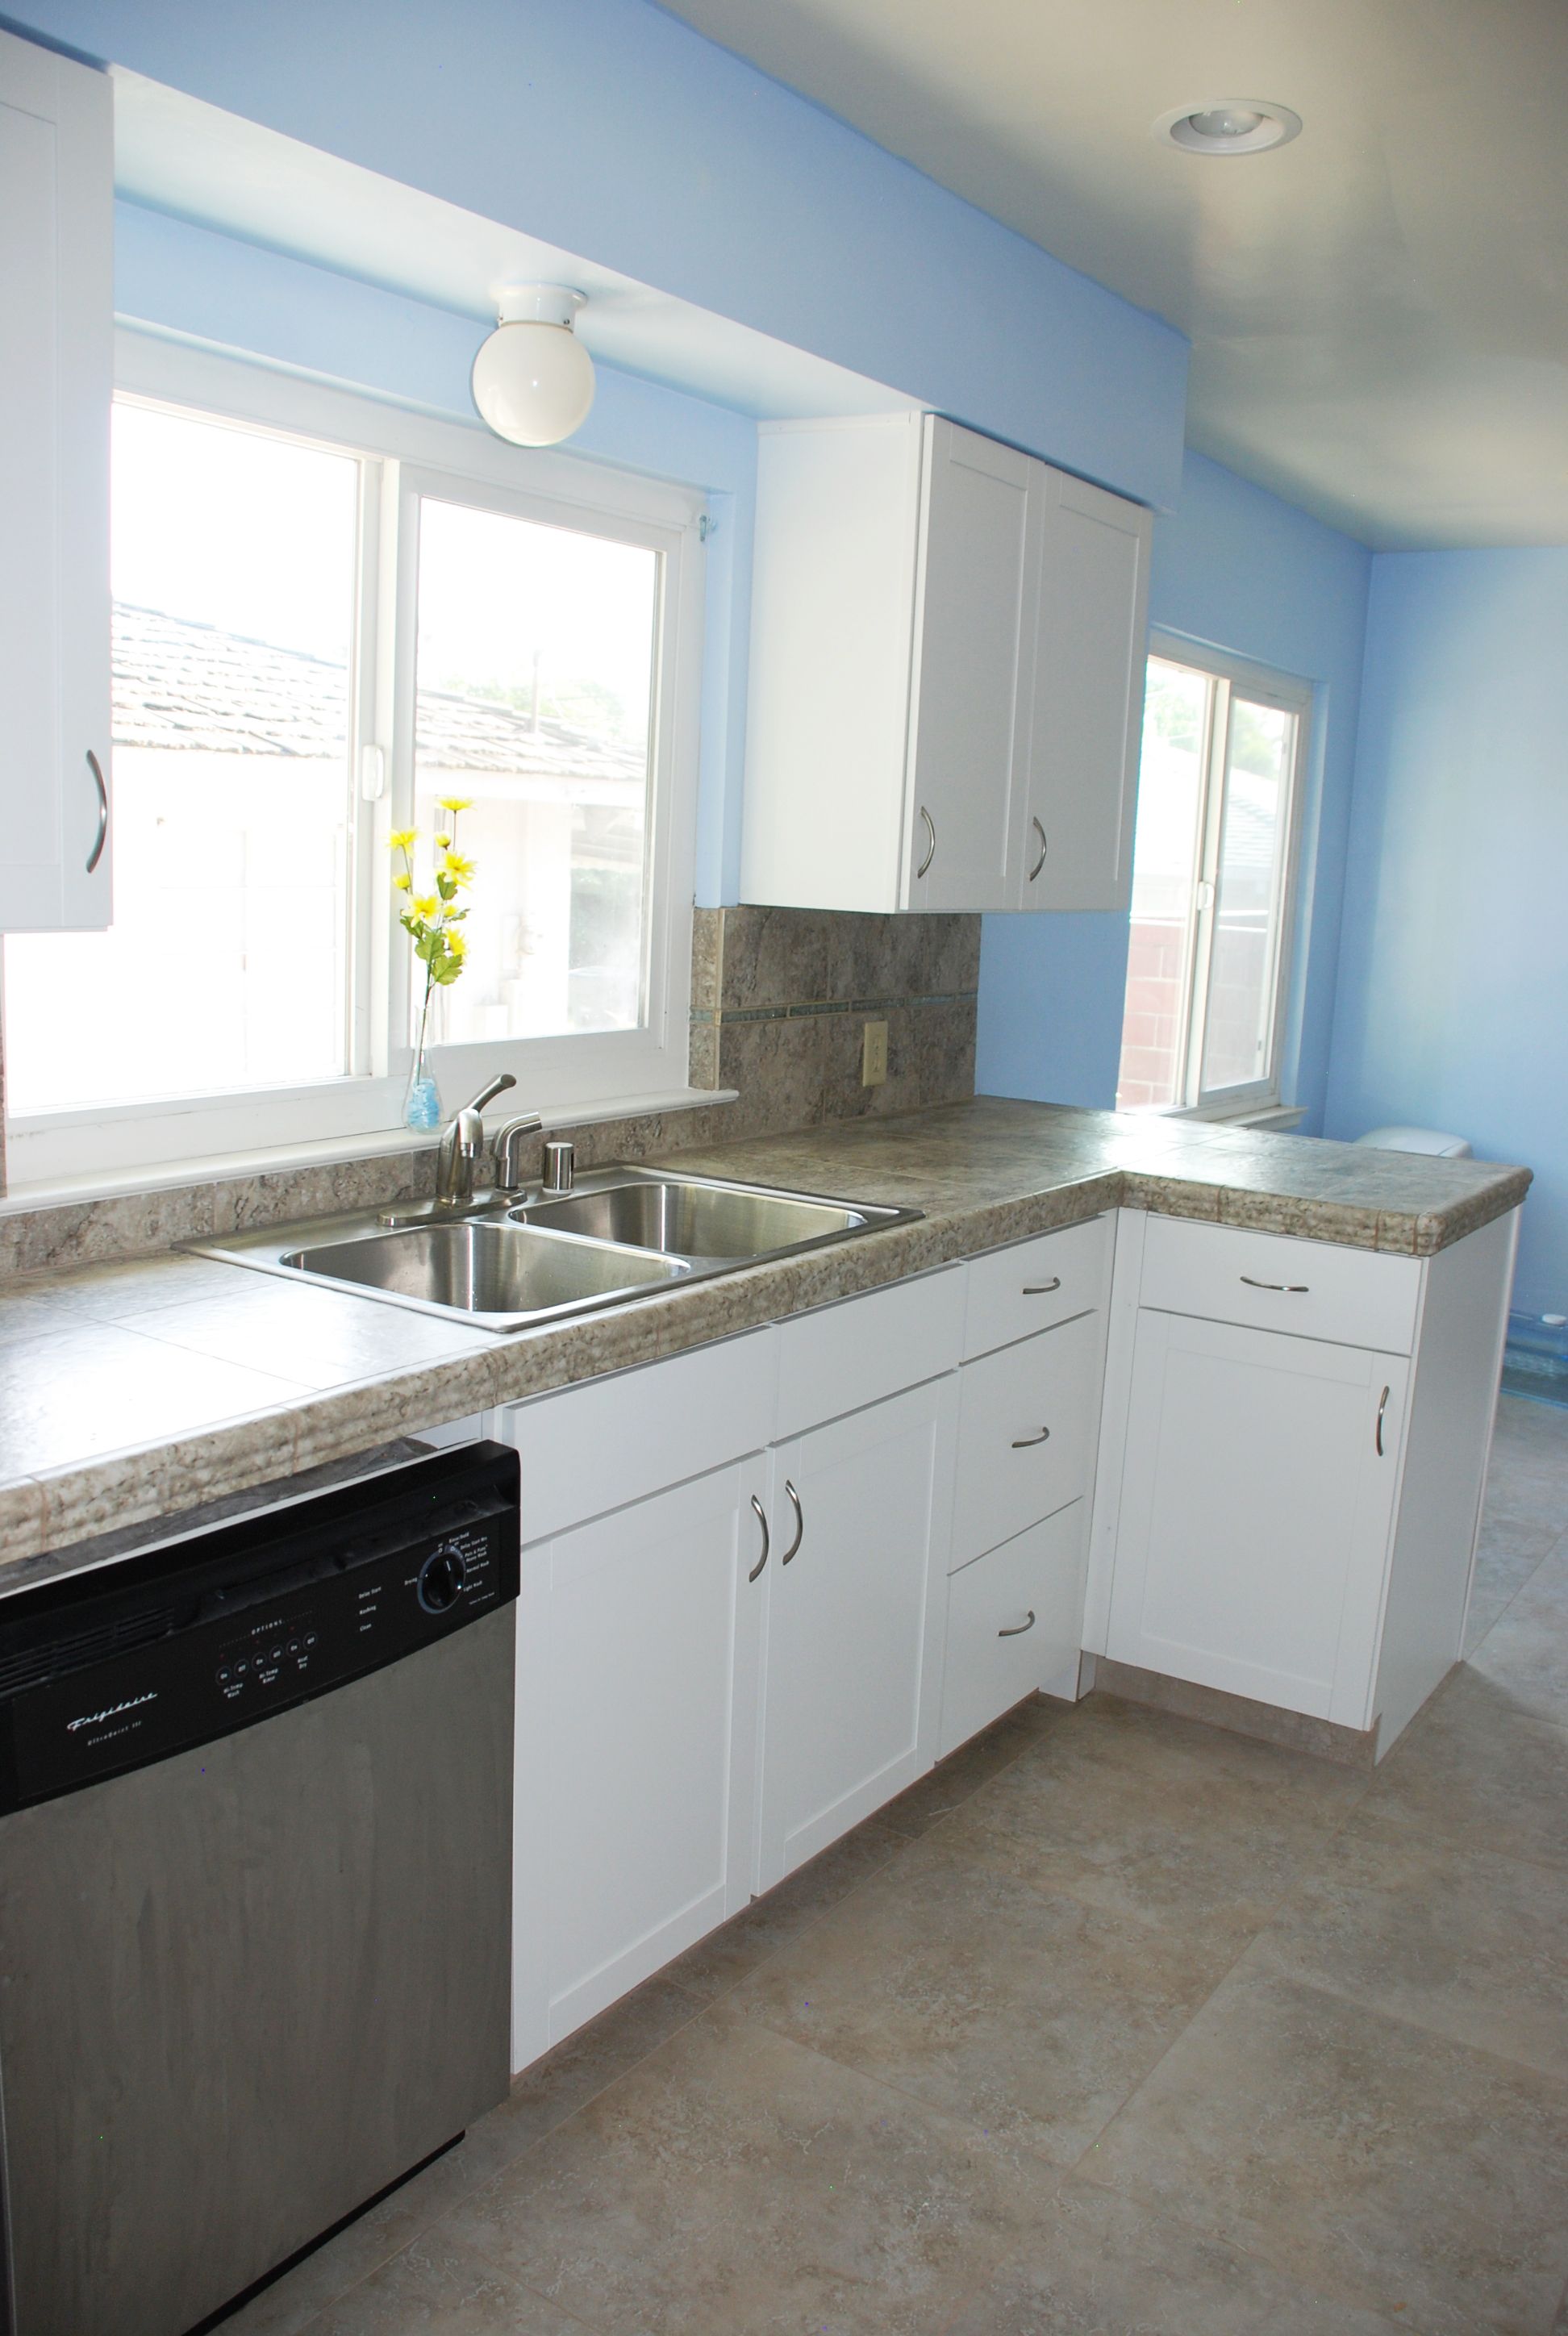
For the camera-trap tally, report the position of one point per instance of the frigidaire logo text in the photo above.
(110, 1711)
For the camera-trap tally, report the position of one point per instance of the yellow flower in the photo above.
(403, 838)
(426, 905)
(443, 842)
(455, 803)
(402, 879)
(460, 870)
(456, 944)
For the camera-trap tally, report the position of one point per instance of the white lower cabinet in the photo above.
(1257, 1501)
(851, 1677)
(639, 1645)
(1013, 1625)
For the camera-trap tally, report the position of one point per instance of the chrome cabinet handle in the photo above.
(795, 1501)
(761, 1514)
(1378, 1431)
(1045, 847)
(1293, 1289)
(931, 846)
(1025, 1443)
(1018, 1628)
(99, 840)
(1041, 1289)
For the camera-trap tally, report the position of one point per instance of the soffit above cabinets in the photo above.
(197, 162)
(1379, 311)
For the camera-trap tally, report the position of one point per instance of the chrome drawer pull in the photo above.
(1023, 1443)
(1293, 1289)
(766, 1539)
(931, 846)
(1378, 1431)
(1041, 1289)
(99, 840)
(1018, 1628)
(800, 1524)
(1045, 847)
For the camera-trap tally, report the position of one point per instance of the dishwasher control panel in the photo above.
(92, 1686)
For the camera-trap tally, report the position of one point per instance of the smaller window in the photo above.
(1213, 876)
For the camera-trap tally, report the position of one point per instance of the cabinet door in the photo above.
(56, 376)
(1086, 700)
(965, 740)
(852, 1686)
(1258, 1497)
(639, 1640)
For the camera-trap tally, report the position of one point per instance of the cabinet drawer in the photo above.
(1026, 1422)
(1027, 1287)
(1013, 1624)
(1273, 1281)
(591, 1448)
(841, 1357)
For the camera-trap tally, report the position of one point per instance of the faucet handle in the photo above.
(488, 1092)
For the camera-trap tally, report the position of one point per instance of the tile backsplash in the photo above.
(780, 998)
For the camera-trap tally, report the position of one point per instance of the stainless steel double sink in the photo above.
(510, 1262)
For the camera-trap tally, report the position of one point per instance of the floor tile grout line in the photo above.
(1226, 2238)
(1331, 1834)
(1378, 2011)
(1319, 1985)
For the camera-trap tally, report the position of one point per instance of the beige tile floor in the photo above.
(1116, 2024)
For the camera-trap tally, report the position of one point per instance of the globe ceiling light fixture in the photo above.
(532, 380)
(1229, 125)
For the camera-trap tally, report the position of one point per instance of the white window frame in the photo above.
(1261, 685)
(405, 454)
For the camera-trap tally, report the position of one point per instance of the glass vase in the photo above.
(421, 1099)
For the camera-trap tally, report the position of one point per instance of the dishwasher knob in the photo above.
(440, 1581)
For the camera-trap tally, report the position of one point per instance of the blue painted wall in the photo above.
(611, 129)
(1234, 567)
(1454, 971)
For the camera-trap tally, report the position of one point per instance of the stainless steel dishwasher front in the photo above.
(254, 1872)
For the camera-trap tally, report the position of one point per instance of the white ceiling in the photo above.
(1379, 312)
(177, 155)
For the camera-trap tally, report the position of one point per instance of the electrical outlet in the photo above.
(874, 1055)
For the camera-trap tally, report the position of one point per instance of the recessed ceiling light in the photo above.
(1228, 125)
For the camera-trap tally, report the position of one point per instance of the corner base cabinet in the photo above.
(1293, 1458)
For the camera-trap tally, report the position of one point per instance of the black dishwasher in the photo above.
(254, 1887)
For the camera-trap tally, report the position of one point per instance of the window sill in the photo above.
(1279, 1118)
(280, 1160)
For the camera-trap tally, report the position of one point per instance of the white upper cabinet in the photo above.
(56, 382)
(1086, 699)
(947, 667)
(972, 595)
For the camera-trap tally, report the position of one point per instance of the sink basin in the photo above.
(704, 1222)
(499, 1275)
(624, 1233)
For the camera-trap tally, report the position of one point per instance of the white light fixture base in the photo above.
(532, 379)
(1228, 125)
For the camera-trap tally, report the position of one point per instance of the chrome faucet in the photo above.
(461, 1140)
(508, 1146)
(457, 1156)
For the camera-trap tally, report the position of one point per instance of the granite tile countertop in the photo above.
(144, 1389)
